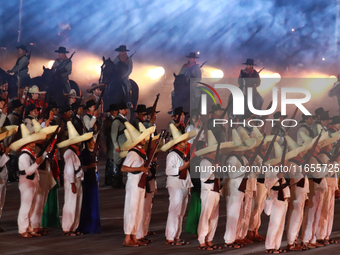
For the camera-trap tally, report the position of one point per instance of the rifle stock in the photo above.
(311, 151)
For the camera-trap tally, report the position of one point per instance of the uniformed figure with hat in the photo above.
(250, 78)
(124, 65)
(118, 139)
(107, 124)
(31, 112)
(334, 125)
(150, 117)
(95, 90)
(21, 66)
(219, 131)
(64, 72)
(140, 115)
(34, 97)
(90, 118)
(72, 97)
(77, 121)
(191, 69)
(317, 121)
(305, 127)
(178, 119)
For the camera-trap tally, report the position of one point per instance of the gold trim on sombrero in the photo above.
(212, 145)
(177, 137)
(74, 137)
(137, 136)
(278, 155)
(38, 128)
(27, 138)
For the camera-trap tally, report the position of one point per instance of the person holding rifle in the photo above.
(134, 165)
(178, 119)
(140, 115)
(317, 121)
(191, 69)
(21, 66)
(306, 128)
(90, 118)
(150, 117)
(124, 65)
(73, 174)
(219, 131)
(29, 178)
(178, 183)
(195, 123)
(95, 90)
(31, 112)
(66, 64)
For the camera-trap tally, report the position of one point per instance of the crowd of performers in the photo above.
(48, 145)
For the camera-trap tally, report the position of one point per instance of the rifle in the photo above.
(7, 99)
(49, 141)
(270, 147)
(100, 99)
(132, 54)
(291, 122)
(196, 140)
(203, 64)
(251, 161)
(261, 70)
(154, 106)
(24, 105)
(263, 128)
(63, 64)
(143, 179)
(280, 195)
(309, 155)
(217, 181)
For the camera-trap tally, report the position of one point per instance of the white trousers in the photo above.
(276, 224)
(28, 192)
(72, 206)
(144, 226)
(178, 200)
(234, 211)
(258, 205)
(133, 208)
(42, 192)
(244, 224)
(325, 226)
(312, 217)
(295, 213)
(3, 186)
(209, 215)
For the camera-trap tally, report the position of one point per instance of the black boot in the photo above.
(117, 180)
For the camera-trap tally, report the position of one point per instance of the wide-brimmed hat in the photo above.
(304, 117)
(23, 47)
(179, 111)
(278, 155)
(72, 93)
(89, 104)
(122, 48)
(149, 110)
(74, 137)
(335, 120)
(52, 105)
(178, 137)
(216, 107)
(142, 128)
(30, 108)
(35, 90)
(16, 103)
(249, 62)
(318, 111)
(61, 50)
(307, 139)
(332, 139)
(26, 138)
(11, 130)
(293, 146)
(192, 55)
(65, 108)
(238, 144)
(212, 145)
(95, 86)
(113, 107)
(137, 136)
(325, 116)
(278, 115)
(127, 143)
(47, 130)
(141, 108)
(268, 138)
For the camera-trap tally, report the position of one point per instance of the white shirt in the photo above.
(72, 164)
(206, 174)
(192, 127)
(173, 163)
(133, 160)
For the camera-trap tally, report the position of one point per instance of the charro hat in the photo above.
(335, 120)
(249, 62)
(141, 108)
(212, 145)
(65, 108)
(304, 117)
(318, 111)
(27, 138)
(179, 111)
(112, 107)
(268, 138)
(72, 93)
(238, 144)
(137, 136)
(61, 50)
(11, 130)
(35, 90)
(95, 86)
(192, 55)
(333, 138)
(23, 47)
(47, 130)
(89, 104)
(127, 143)
(324, 116)
(122, 48)
(74, 137)
(16, 103)
(30, 108)
(177, 137)
(278, 155)
(142, 128)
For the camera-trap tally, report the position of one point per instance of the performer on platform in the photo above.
(21, 66)
(64, 72)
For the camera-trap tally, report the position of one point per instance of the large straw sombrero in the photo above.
(74, 137)
(212, 145)
(136, 136)
(309, 140)
(142, 128)
(177, 137)
(293, 146)
(123, 154)
(332, 139)
(11, 130)
(268, 138)
(238, 144)
(38, 128)
(95, 86)
(35, 90)
(27, 138)
(278, 155)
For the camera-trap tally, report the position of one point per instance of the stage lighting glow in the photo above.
(323, 59)
(216, 74)
(50, 64)
(268, 80)
(155, 73)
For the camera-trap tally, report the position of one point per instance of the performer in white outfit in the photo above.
(73, 175)
(135, 195)
(3, 169)
(29, 178)
(178, 183)
(45, 177)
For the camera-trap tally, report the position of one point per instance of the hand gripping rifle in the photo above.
(251, 161)
(143, 179)
(63, 64)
